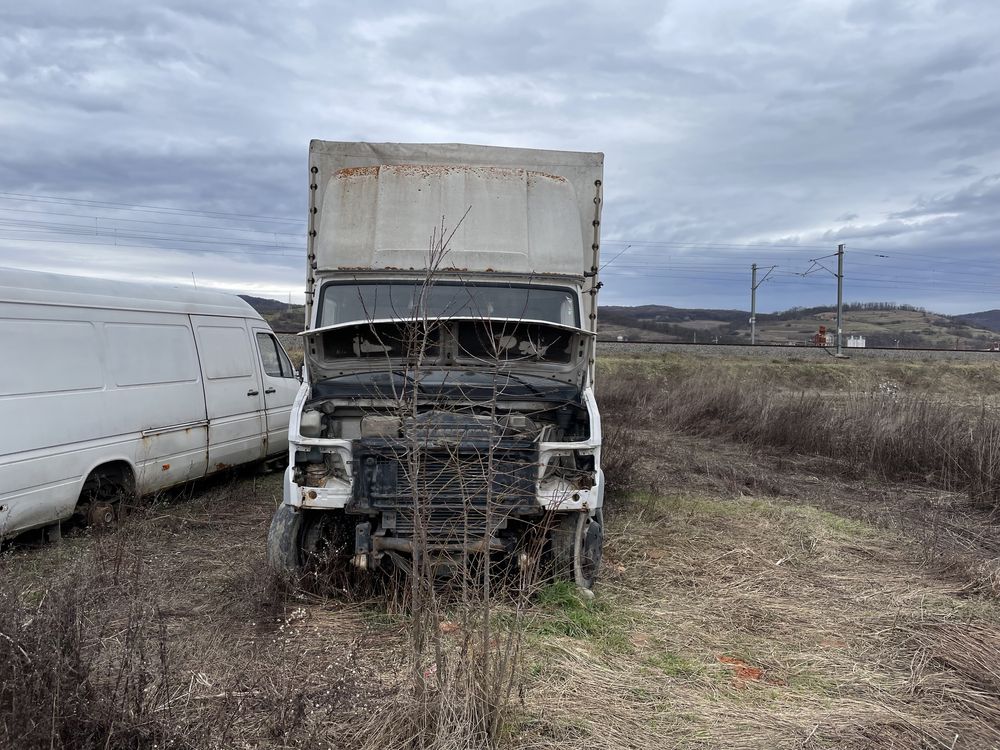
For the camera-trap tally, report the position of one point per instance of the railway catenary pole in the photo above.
(753, 299)
(840, 299)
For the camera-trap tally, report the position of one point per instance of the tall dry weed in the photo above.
(935, 442)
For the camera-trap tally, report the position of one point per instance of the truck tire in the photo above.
(284, 542)
(302, 542)
(577, 544)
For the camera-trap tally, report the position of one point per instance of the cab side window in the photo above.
(273, 358)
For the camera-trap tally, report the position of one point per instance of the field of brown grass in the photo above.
(755, 595)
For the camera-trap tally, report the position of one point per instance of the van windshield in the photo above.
(350, 302)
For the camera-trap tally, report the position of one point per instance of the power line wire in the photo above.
(142, 207)
(149, 221)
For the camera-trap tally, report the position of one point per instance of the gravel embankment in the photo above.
(790, 352)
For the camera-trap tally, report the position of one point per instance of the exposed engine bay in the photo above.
(461, 463)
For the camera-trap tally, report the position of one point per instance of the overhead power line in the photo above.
(143, 208)
(93, 217)
(206, 251)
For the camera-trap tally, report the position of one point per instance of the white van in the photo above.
(111, 388)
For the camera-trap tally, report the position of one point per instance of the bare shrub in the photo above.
(75, 676)
(464, 602)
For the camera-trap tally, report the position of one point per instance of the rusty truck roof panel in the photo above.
(512, 211)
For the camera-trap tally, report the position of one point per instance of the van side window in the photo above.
(273, 357)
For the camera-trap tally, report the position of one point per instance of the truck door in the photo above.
(233, 398)
(280, 387)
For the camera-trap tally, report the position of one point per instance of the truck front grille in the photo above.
(456, 491)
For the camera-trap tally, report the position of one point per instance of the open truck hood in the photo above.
(455, 319)
(515, 347)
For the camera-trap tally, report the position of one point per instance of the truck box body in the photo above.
(143, 386)
(451, 315)
(531, 212)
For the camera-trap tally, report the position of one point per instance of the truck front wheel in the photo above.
(577, 547)
(310, 543)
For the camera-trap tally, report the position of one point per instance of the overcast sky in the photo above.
(734, 132)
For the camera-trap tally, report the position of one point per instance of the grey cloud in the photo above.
(724, 124)
(983, 194)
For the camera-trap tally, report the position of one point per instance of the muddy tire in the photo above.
(314, 544)
(284, 542)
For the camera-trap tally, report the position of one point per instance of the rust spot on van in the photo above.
(164, 467)
(221, 466)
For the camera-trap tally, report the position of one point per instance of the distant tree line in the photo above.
(801, 312)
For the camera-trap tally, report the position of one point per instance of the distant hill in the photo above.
(988, 319)
(881, 323)
(281, 316)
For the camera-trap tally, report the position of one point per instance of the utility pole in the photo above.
(753, 299)
(840, 299)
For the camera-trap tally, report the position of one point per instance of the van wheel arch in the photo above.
(102, 492)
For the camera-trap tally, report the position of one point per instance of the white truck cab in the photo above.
(448, 399)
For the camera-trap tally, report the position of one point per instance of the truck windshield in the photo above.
(348, 303)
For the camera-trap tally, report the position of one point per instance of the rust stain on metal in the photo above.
(164, 467)
(349, 172)
(221, 466)
(435, 170)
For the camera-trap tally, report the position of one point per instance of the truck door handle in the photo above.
(270, 390)
(252, 392)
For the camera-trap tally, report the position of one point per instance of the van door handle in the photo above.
(252, 392)
(270, 390)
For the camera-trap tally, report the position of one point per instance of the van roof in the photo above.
(37, 287)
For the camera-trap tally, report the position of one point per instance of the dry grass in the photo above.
(168, 633)
(880, 433)
(752, 597)
(753, 623)
(858, 642)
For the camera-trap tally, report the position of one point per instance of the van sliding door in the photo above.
(233, 395)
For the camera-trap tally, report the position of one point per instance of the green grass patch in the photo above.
(564, 612)
(674, 665)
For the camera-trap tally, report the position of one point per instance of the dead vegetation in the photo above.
(882, 433)
(756, 594)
